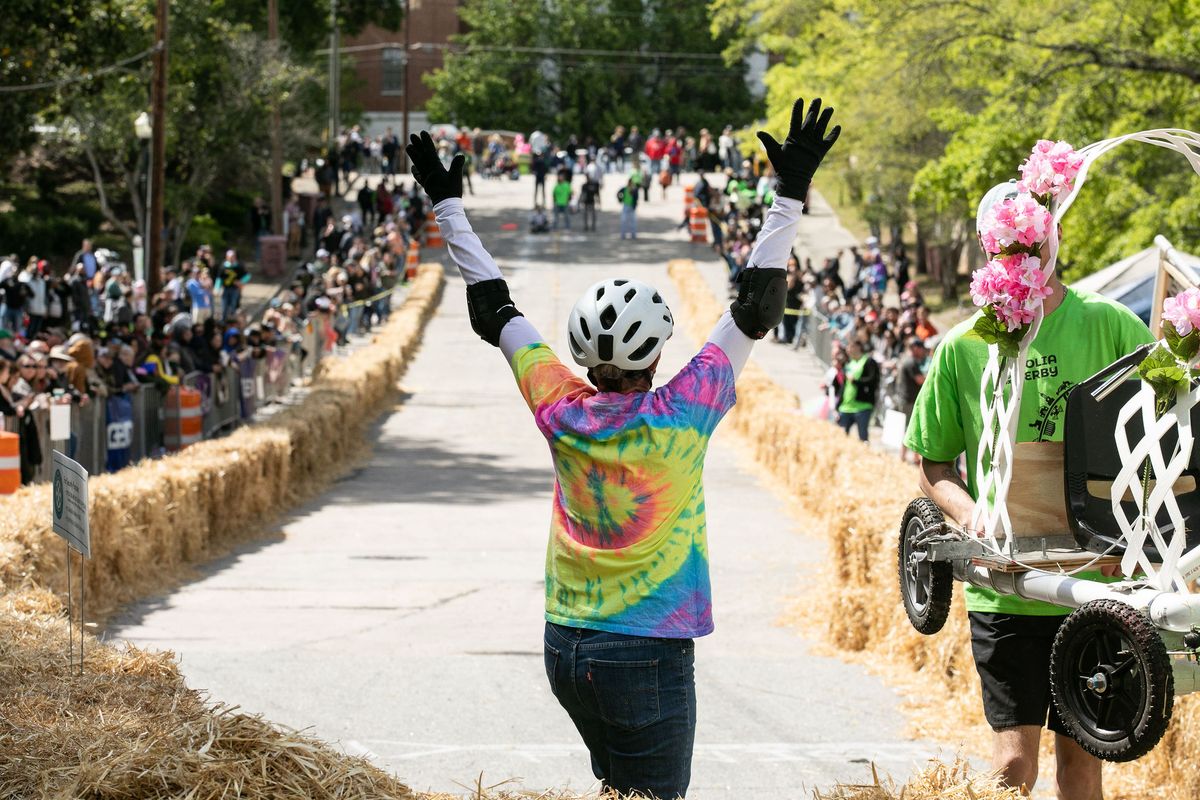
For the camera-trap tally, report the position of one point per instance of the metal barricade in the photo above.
(88, 427)
(147, 423)
(820, 337)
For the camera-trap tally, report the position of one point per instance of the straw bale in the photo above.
(936, 781)
(857, 496)
(152, 521)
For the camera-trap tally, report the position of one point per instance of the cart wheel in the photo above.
(1112, 680)
(925, 586)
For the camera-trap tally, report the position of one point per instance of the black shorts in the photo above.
(1012, 656)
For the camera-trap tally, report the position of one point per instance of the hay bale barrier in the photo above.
(128, 727)
(858, 496)
(150, 522)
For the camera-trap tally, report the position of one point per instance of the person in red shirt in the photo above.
(656, 148)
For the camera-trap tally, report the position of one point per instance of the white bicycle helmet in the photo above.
(621, 322)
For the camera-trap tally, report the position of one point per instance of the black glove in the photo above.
(797, 159)
(437, 181)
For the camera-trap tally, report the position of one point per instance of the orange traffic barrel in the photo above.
(183, 418)
(698, 224)
(412, 260)
(433, 234)
(689, 192)
(10, 462)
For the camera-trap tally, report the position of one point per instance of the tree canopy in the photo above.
(579, 67)
(940, 100)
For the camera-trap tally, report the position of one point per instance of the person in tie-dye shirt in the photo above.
(627, 587)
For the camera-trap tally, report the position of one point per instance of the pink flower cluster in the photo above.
(1016, 220)
(1183, 311)
(1014, 286)
(1050, 169)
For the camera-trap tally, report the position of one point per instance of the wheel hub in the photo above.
(1098, 683)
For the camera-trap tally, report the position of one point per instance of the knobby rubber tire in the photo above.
(935, 581)
(1141, 689)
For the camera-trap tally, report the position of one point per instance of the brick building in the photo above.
(378, 56)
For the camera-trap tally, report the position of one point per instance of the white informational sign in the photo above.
(60, 422)
(893, 429)
(70, 504)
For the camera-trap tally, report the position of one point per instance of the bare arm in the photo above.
(942, 484)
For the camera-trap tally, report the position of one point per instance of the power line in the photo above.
(362, 48)
(85, 76)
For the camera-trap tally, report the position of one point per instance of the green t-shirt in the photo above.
(850, 403)
(1083, 335)
(562, 193)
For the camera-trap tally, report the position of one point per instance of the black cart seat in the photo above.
(1090, 455)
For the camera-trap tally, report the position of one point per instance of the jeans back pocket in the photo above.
(626, 692)
(551, 659)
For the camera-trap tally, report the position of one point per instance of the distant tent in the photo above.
(1130, 281)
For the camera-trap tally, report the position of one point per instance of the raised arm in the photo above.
(493, 315)
(762, 285)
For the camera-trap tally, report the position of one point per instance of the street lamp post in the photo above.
(144, 130)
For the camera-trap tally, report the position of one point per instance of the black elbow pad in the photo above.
(762, 295)
(490, 309)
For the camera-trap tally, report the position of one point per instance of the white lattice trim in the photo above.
(1000, 390)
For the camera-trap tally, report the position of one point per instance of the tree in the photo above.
(576, 67)
(941, 100)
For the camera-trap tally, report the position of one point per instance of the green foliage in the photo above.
(571, 85)
(204, 230)
(992, 331)
(939, 101)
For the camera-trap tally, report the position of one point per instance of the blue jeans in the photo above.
(860, 418)
(562, 213)
(628, 222)
(230, 300)
(633, 700)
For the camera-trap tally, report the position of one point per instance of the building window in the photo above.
(393, 70)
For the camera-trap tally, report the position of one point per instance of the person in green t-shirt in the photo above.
(562, 200)
(1010, 637)
(858, 396)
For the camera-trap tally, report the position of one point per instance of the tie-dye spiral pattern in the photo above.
(628, 550)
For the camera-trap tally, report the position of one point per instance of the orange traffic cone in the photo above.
(433, 234)
(412, 260)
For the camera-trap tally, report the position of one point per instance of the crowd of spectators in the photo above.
(87, 331)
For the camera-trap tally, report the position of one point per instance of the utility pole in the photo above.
(404, 126)
(276, 133)
(334, 82)
(158, 153)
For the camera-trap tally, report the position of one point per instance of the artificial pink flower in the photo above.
(1050, 170)
(1183, 311)
(1015, 220)
(1014, 286)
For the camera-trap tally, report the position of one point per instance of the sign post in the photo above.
(70, 521)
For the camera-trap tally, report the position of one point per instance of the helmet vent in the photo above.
(645, 350)
(575, 348)
(587, 334)
(607, 317)
(657, 298)
(604, 346)
(600, 293)
(666, 318)
(632, 293)
(629, 334)
(620, 282)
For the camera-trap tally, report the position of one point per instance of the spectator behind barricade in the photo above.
(199, 289)
(179, 349)
(858, 396)
(34, 278)
(19, 409)
(8, 346)
(80, 371)
(538, 221)
(910, 375)
(114, 372)
(156, 368)
(231, 278)
(13, 294)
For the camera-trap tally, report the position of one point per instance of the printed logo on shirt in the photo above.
(1050, 411)
(1044, 367)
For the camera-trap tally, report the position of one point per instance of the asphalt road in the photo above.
(400, 612)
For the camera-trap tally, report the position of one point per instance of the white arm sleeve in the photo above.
(475, 264)
(771, 250)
